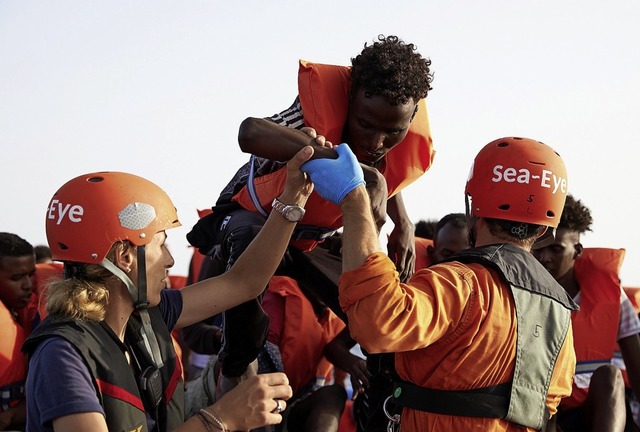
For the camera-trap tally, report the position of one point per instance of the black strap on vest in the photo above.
(488, 402)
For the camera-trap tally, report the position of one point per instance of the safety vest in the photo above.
(422, 257)
(522, 401)
(595, 325)
(303, 336)
(324, 95)
(634, 296)
(13, 363)
(115, 384)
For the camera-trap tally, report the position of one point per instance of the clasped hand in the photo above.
(333, 179)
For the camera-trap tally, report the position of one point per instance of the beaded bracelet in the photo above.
(204, 421)
(218, 422)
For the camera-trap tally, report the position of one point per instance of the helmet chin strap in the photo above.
(139, 296)
(471, 222)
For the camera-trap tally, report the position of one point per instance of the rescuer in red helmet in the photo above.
(482, 340)
(103, 358)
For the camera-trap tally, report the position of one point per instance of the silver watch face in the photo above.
(293, 213)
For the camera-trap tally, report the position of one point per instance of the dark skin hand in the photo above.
(257, 136)
(337, 352)
(401, 244)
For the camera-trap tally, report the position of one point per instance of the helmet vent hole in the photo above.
(503, 144)
(537, 163)
(551, 214)
(63, 246)
(95, 179)
(504, 207)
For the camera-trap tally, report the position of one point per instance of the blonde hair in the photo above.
(83, 294)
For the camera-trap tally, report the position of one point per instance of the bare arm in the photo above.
(401, 245)
(270, 140)
(360, 236)
(88, 421)
(251, 273)
(630, 349)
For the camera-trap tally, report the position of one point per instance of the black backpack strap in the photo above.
(488, 402)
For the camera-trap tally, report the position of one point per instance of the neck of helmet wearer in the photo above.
(493, 231)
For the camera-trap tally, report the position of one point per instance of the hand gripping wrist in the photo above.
(333, 179)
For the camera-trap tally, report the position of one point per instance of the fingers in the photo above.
(280, 405)
(277, 385)
(309, 131)
(303, 155)
(275, 378)
(320, 139)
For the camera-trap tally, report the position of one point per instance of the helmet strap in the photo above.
(117, 272)
(141, 302)
(471, 221)
(149, 336)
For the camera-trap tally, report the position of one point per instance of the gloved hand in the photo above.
(333, 179)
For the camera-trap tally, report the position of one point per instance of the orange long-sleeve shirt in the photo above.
(453, 327)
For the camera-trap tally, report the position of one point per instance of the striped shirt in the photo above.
(292, 118)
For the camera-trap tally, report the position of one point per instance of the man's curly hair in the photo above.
(575, 216)
(392, 68)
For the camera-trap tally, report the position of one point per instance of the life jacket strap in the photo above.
(488, 402)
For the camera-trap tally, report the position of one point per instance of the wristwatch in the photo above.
(292, 213)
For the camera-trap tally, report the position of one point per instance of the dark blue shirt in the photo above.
(59, 382)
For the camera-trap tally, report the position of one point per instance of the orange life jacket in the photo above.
(44, 273)
(634, 296)
(177, 281)
(324, 96)
(304, 336)
(595, 325)
(13, 363)
(422, 257)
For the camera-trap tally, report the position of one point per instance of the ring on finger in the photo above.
(278, 408)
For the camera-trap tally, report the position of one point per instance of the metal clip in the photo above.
(394, 420)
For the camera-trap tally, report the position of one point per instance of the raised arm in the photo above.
(359, 237)
(251, 273)
(270, 140)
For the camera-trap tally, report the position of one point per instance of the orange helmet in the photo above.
(518, 179)
(88, 214)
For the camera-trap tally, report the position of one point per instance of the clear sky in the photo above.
(159, 88)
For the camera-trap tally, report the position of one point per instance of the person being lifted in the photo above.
(378, 107)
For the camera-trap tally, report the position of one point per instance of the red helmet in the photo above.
(518, 179)
(88, 214)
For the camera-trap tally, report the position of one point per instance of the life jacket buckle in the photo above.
(394, 420)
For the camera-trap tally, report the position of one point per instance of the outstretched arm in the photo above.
(270, 140)
(251, 273)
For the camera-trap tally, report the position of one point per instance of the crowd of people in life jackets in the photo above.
(292, 316)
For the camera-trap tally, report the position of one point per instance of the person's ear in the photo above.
(578, 250)
(124, 257)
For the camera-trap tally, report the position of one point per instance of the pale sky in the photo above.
(159, 88)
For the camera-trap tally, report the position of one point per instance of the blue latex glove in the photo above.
(333, 179)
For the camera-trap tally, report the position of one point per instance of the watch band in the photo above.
(292, 213)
